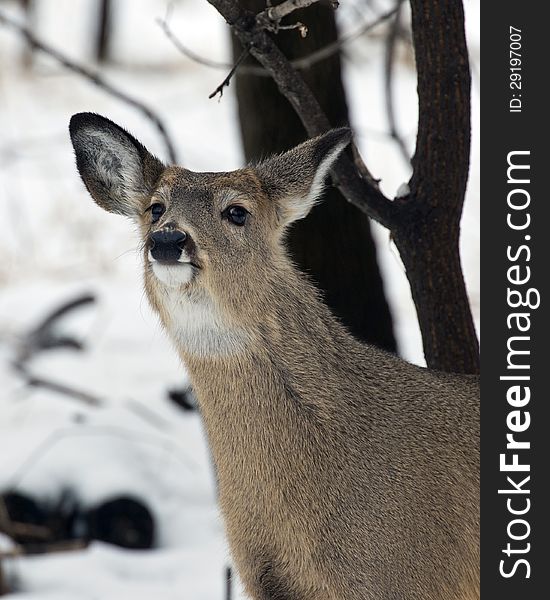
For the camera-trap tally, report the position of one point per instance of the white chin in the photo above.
(173, 275)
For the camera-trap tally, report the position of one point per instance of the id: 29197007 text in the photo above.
(515, 58)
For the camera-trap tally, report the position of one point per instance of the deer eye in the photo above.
(235, 214)
(157, 210)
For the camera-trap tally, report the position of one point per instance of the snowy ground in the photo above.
(56, 244)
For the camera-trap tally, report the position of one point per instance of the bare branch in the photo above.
(60, 388)
(227, 80)
(363, 192)
(298, 25)
(96, 79)
(330, 49)
(201, 60)
(271, 17)
(299, 63)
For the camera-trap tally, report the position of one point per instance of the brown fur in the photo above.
(344, 472)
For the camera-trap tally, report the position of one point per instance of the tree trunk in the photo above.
(427, 225)
(334, 243)
(431, 258)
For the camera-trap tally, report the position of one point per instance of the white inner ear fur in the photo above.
(117, 165)
(299, 207)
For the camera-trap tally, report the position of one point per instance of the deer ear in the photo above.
(117, 170)
(295, 180)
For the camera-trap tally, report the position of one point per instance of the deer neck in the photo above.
(284, 328)
(259, 387)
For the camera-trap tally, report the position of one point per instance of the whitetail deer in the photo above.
(344, 472)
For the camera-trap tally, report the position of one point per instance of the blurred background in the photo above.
(107, 487)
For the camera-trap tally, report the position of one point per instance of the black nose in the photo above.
(167, 244)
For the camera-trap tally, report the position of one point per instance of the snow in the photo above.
(109, 573)
(57, 244)
(403, 190)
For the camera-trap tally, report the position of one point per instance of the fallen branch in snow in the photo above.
(68, 546)
(94, 78)
(43, 337)
(60, 388)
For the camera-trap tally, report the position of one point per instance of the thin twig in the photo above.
(391, 45)
(94, 78)
(299, 63)
(271, 17)
(228, 590)
(334, 47)
(148, 415)
(61, 388)
(201, 60)
(227, 80)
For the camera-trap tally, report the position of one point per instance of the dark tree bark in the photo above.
(334, 243)
(425, 222)
(427, 229)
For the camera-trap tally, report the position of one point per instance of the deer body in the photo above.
(344, 472)
(310, 447)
